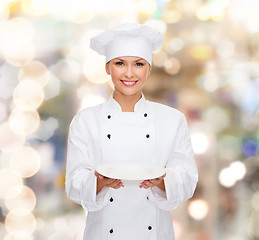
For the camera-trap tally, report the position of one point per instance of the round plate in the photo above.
(130, 170)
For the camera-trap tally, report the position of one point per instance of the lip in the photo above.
(128, 85)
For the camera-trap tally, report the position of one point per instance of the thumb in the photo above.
(98, 175)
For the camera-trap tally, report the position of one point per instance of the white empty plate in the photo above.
(130, 170)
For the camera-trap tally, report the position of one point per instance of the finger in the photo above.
(113, 183)
(116, 186)
(144, 183)
(147, 184)
(98, 175)
(155, 181)
(119, 185)
(109, 181)
(162, 177)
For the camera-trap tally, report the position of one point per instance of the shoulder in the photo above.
(88, 113)
(163, 110)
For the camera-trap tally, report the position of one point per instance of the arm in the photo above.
(181, 172)
(81, 182)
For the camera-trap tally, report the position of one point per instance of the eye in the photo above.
(119, 63)
(139, 64)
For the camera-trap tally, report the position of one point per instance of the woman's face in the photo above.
(128, 74)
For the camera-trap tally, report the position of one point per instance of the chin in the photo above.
(130, 93)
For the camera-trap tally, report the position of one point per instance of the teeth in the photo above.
(129, 83)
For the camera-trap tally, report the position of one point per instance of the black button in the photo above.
(145, 115)
(149, 228)
(147, 136)
(111, 199)
(111, 231)
(147, 198)
(109, 136)
(109, 116)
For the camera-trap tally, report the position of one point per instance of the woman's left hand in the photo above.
(153, 182)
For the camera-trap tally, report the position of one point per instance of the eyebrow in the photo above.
(134, 61)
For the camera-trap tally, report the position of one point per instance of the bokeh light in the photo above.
(229, 147)
(217, 117)
(200, 142)
(20, 223)
(159, 58)
(28, 95)
(228, 176)
(201, 52)
(252, 225)
(19, 55)
(239, 169)
(24, 122)
(3, 112)
(255, 201)
(9, 236)
(77, 11)
(250, 148)
(16, 41)
(174, 45)
(26, 161)
(172, 66)
(4, 11)
(198, 209)
(67, 70)
(9, 178)
(47, 129)
(172, 16)
(35, 71)
(35, 7)
(20, 198)
(94, 68)
(9, 140)
(16, 32)
(160, 25)
(146, 6)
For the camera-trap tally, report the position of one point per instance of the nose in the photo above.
(129, 72)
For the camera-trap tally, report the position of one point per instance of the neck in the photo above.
(127, 102)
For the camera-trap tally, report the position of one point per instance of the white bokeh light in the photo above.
(198, 209)
(28, 95)
(26, 161)
(230, 175)
(200, 142)
(8, 179)
(226, 178)
(239, 169)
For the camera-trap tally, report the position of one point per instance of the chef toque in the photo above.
(130, 39)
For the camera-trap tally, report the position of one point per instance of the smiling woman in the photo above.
(129, 74)
(129, 129)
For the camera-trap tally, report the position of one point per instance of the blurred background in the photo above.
(208, 67)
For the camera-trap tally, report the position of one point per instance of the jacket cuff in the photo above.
(168, 199)
(90, 200)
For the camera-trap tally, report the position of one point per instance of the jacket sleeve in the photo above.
(80, 185)
(181, 172)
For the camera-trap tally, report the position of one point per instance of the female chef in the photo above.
(129, 128)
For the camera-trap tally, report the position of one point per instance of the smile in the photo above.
(128, 83)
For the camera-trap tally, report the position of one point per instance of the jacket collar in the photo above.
(137, 108)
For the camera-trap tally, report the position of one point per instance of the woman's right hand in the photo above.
(103, 181)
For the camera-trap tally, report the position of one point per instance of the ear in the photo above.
(149, 70)
(107, 68)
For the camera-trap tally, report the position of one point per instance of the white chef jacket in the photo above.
(153, 133)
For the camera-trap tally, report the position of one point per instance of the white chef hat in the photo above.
(130, 39)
